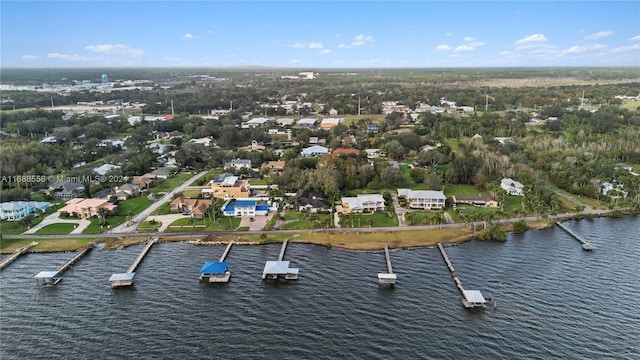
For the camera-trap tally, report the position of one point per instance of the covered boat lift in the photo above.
(215, 272)
(277, 269)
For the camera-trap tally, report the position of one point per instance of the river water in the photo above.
(553, 301)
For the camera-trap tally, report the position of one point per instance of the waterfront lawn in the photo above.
(126, 208)
(225, 223)
(378, 219)
(313, 221)
(57, 229)
(475, 213)
(466, 190)
(422, 218)
(149, 226)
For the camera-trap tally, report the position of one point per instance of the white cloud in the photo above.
(635, 38)
(363, 38)
(599, 35)
(535, 38)
(325, 51)
(358, 40)
(115, 49)
(468, 38)
(189, 36)
(310, 45)
(633, 47)
(584, 48)
(294, 61)
(69, 57)
(29, 57)
(443, 47)
(464, 48)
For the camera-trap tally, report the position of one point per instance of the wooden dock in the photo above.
(53, 277)
(19, 251)
(470, 298)
(388, 278)
(226, 252)
(586, 246)
(283, 249)
(126, 279)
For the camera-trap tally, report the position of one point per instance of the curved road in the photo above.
(125, 229)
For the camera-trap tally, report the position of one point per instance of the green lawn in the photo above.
(468, 190)
(170, 183)
(313, 221)
(380, 219)
(422, 218)
(149, 226)
(221, 224)
(293, 215)
(57, 229)
(165, 209)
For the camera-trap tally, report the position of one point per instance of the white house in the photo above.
(423, 199)
(240, 163)
(104, 169)
(255, 122)
(306, 122)
(363, 203)
(618, 189)
(512, 187)
(16, 210)
(246, 208)
(314, 151)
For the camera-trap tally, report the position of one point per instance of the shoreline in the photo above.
(363, 240)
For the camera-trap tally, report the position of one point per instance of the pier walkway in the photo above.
(19, 251)
(126, 279)
(53, 277)
(585, 244)
(388, 278)
(470, 298)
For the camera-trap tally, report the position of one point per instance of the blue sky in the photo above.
(319, 34)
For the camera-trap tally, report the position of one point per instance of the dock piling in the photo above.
(387, 278)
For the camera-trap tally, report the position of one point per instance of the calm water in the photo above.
(554, 301)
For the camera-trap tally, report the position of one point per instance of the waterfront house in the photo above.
(230, 187)
(363, 203)
(423, 199)
(196, 208)
(479, 201)
(86, 208)
(17, 210)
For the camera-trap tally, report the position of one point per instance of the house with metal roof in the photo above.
(423, 199)
(306, 122)
(17, 210)
(314, 151)
(363, 203)
(512, 187)
(104, 169)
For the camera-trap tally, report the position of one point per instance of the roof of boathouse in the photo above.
(214, 267)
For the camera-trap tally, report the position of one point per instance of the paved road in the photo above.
(123, 228)
(329, 230)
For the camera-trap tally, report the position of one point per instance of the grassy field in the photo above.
(467, 190)
(57, 229)
(379, 219)
(421, 218)
(165, 209)
(149, 226)
(186, 224)
(313, 221)
(170, 183)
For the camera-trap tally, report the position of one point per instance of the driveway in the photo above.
(399, 211)
(165, 220)
(258, 222)
(124, 228)
(55, 218)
